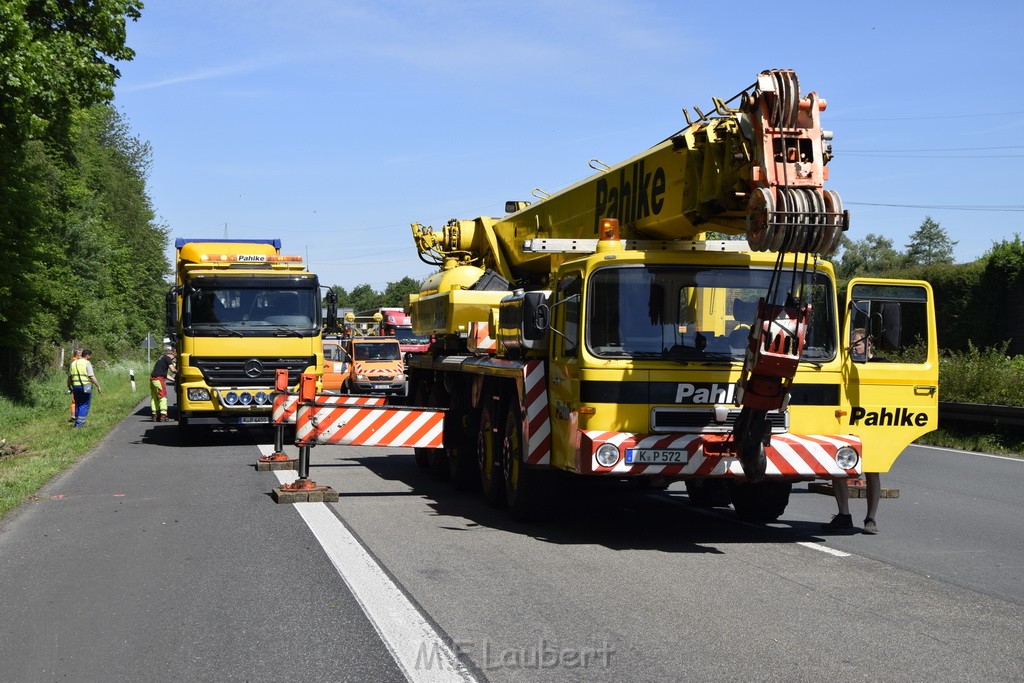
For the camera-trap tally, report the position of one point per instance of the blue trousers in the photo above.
(83, 401)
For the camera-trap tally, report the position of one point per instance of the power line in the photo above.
(947, 207)
(938, 149)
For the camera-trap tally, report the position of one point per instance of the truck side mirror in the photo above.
(542, 317)
(171, 312)
(332, 309)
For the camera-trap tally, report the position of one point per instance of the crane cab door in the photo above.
(564, 371)
(891, 363)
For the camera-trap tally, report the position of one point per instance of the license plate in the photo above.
(381, 386)
(655, 456)
(254, 420)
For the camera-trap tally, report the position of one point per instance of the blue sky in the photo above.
(335, 124)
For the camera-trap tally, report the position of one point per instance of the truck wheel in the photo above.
(462, 426)
(422, 456)
(187, 433)
(708, 493)
(437, 458)
(529, 490)
(489, 459)
(762, 501)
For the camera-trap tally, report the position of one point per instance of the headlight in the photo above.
(245, 398)
(361, 378)
(607, 455)
(262, 397)
(198, 395)
(231, 398)
(847, 458)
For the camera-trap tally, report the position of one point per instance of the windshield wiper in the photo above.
(288, 331)
(220, 327)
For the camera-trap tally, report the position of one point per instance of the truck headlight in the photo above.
(361, 378)
(230, 398)
(198, 394)
(245, 398)
(262, 397)
(607, 455)
(847, 458)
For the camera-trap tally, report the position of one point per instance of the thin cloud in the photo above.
(209, 74)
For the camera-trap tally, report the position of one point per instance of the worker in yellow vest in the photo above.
(81, 380)
(158, 384)
(74, 356)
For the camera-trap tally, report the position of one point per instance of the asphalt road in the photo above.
(153, 561)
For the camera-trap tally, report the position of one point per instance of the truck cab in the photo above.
(376, 367)
(337, 363)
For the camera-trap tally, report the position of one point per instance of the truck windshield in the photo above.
(377, 351)
(693, 312)
(405, 335)
(257, 309)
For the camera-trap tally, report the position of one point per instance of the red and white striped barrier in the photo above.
(368, 426)
(286, 405)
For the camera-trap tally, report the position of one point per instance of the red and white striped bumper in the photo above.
(789, 456)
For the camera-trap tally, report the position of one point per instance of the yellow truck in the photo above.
(672, 317)
(239, 311)
(600, 332)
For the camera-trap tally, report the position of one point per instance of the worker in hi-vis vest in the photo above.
(81, 380)
(158, 384)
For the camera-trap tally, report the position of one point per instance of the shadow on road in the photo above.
(615, 514)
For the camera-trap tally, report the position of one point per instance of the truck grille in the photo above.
(250, 372)
(708, 420)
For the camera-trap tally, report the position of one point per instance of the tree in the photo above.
(57, 57)
(873, 255)
(57, 62)
(364, 297)
(396, 292)
(930, 245)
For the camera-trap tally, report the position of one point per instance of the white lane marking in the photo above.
(823, 548)
(718, 515)
(956, 450)
(419, 650)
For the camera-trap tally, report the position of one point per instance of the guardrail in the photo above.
(981, 413)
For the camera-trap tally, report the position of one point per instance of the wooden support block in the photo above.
(320, 494)
(857, 490)
(268, 465)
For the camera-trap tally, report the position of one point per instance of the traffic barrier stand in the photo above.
(304, 489)
(283, 407)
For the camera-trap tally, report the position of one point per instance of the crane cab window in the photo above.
(693, 312)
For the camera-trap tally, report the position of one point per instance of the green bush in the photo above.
(986, 376)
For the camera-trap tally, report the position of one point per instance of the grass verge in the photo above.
(1000, 441)
(38, 441)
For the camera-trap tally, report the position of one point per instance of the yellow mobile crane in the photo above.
(599, 332)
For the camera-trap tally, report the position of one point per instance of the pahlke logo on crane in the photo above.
(637, 195)
(883, 417)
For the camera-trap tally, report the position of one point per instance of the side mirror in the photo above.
(332, 309)
(542, 317)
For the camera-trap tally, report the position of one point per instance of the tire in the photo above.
(763, 501)
(462, 426)
(437, 458)
(422, 456)
(188, 434)
(489, 458)
(528, 490)
(420, 392)
(708, 493)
